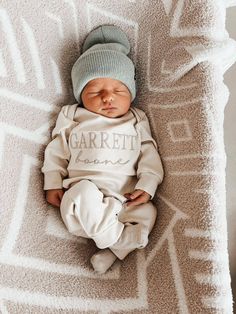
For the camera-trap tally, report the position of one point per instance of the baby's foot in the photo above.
(102, 260)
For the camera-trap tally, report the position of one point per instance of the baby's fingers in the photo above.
(60, 194)
(137, 201)
(135, 194)
(127, 195)
(54, 197)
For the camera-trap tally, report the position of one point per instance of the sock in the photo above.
(102, 260)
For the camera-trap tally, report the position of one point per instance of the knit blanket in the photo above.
(181, 51)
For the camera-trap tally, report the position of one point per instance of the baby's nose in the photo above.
(107, 97)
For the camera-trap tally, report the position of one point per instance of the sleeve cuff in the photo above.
(148, 183)
(52, 180)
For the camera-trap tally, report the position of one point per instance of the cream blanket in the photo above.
(181, 50)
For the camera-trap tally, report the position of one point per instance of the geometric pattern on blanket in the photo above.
(181, 51)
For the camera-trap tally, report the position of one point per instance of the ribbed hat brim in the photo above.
(102, 63)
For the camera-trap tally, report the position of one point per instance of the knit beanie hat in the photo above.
(104, 54)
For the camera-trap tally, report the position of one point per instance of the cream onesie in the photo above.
(99, 159)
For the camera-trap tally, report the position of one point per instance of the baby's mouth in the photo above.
(109, 107)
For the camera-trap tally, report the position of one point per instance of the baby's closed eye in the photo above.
(93, 93)
(120, 91)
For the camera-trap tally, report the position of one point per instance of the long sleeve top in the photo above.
(90, 143)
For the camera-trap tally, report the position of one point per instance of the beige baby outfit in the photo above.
(99, 159)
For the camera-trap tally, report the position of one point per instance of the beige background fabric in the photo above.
(181, 51)
(230, 147)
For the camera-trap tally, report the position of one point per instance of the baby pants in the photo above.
(88, 213)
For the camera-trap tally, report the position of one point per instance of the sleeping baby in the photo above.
(102, 167)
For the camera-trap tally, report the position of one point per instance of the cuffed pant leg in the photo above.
(96, 214)
(139, 221)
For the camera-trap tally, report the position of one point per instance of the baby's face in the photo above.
(106, 96)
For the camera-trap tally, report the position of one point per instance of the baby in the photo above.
(102, 167)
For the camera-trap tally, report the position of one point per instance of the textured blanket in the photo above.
(181, 50)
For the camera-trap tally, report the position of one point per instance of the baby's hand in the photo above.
(54, 197)
(137, 197)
